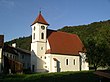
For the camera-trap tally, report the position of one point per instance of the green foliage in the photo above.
(85, 76)
(22, 42)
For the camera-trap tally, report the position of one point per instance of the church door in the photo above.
(58, 66)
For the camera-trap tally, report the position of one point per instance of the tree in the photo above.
(97, 51)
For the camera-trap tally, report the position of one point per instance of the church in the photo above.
(55, 51)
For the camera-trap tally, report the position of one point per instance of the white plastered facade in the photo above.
(60, 64)
(84, 63)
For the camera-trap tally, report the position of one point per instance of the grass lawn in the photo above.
(83, 76)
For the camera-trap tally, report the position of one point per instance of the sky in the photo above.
(16, 16)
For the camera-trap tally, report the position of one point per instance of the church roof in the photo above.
(40, 19)
(13, 50)
(64, 43)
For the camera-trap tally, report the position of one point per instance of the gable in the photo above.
(64, 43)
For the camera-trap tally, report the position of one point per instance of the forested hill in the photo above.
(84, 31)
(21, 42)
(100, 29)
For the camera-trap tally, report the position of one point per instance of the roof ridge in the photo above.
(67, 33)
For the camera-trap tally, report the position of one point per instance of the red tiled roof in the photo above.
(64, 43)
(40, 19)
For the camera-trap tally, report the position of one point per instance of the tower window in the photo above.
(41, 48)
(45, 57)
(34, 28)
(34, 36)
(42, 35)
(66, 61)
(45, 66)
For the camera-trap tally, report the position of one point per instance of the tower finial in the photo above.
(40, 11)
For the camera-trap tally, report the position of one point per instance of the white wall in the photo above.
(84, 64)
(37, 52)
(62, 61)
(48, 46)
(46, 64)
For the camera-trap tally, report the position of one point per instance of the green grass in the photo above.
(84, 76)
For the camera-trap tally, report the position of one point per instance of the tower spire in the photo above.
(40, 19)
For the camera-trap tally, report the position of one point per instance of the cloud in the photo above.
(7, 3)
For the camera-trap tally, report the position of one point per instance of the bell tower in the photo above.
(38, 45)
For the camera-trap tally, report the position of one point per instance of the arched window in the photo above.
(74, 62)
(34, 36)
(66, 61)
(42, 35)
(34, 28)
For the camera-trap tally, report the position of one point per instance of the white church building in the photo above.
(55, 51)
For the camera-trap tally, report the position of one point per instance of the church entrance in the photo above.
(58, 66)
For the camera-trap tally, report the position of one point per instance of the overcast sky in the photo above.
(16, 16)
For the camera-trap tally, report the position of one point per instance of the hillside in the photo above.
(22, 42)
(84, 31)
